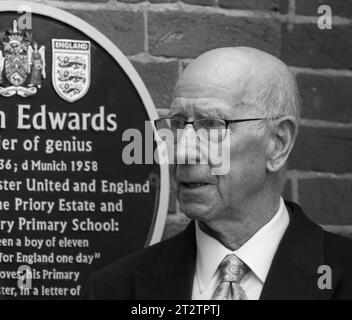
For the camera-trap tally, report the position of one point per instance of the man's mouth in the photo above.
(193, 185)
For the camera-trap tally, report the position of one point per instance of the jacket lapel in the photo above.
(171, 276)
(294, 271)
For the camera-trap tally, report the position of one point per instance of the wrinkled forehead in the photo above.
(206, 107)
(206, 97)
(215, 77)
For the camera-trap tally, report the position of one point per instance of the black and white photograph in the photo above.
(171, 152)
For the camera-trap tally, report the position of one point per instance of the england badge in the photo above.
(71, 68)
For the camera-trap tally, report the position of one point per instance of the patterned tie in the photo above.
(232, 270)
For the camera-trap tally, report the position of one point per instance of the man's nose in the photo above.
(187, 147)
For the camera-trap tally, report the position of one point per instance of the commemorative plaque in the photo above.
(74, 196)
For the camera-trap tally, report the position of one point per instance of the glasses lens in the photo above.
(211, 129)
(169, 129)
(176, 124)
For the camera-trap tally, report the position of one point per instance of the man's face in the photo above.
(203, 195)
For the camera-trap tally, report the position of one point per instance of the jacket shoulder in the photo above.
(116, 281)
(338, 250)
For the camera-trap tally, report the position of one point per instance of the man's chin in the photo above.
(194, 211)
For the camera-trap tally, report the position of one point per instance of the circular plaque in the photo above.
(80, 187)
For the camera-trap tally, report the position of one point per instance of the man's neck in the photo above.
(234, 233)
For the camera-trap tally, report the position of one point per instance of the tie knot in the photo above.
(232, 269)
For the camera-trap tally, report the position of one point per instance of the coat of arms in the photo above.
(22, 63)
(71, 68)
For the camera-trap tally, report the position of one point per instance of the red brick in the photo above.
(326, 97)
(88, 0)
(327, 201)
(308, 46)
(200, 2)
(190, 34)
(284, 6)
(195, 2)
(125, 29)
(341, 8)
(250, 4)
(131, 1)
(162, 1)
(323, 149)
(160, 79)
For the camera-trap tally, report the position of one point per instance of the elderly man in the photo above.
(244, 242)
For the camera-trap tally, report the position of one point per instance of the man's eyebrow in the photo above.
(201, 114)
(213, 113)
(170, 114)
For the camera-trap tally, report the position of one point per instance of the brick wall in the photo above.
(161, 36)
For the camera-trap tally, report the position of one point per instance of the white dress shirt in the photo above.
(257, 253)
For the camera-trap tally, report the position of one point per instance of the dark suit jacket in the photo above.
(165, 270)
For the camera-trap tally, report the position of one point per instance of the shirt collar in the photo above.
(258, 252)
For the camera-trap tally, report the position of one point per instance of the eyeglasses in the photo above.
(211, 129)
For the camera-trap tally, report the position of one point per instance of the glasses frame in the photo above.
(227, 122)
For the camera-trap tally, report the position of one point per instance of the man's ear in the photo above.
(283, 136)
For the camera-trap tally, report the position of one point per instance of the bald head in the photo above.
(249, 76)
